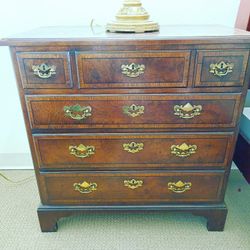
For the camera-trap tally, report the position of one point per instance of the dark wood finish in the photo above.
(186, 79)
(216, 218)
(234, 78)
(218, 36)
(212, 151)
(107, 111)
(215, 214)
(165, 69)
(205, 187)
(61, 60)
(242, 156)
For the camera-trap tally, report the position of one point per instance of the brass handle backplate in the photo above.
(82, 151)
(44, 70)
(221, 69)
(187, 111)
(133, 147)
(183, 150)
(85, 187)
(132, 70)
(179, 187)
(133, 110)
(77, 112)
(133, 184)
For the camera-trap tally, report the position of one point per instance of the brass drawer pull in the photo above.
(133, 110)
(132, 70)
(221, 69)
(133, 184)
(82, 151)
(44, 70)
(183, 150)
(85, 187)
(187, 111)
(77, 112)
(133, 147)
(179, 187)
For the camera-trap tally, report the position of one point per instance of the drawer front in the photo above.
(131, 188)
(145, 111)
(221, 68)
(45, 70)
(137, 151)
(133, 69)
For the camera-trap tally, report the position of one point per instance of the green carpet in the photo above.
(19, 228)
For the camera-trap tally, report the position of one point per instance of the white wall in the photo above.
(17, 16)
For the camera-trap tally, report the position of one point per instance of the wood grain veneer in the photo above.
(177, 71)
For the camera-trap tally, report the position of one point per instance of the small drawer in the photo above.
(141, 111)
(133, 69)
(133, 151)
(131, 188)
(221, 68)
(45, 70)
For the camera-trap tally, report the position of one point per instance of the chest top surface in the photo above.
(85, 35)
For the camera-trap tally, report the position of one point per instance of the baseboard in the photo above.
(24, 161)
(16, 161)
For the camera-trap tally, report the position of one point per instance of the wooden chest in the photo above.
(132, 122)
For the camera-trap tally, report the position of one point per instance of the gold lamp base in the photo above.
(132, 18)
(132, 27)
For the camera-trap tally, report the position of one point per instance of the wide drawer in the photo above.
(131, 188)
(133, 69)
(221, 68)
(134, 111)
(136, 151)
(45, 70)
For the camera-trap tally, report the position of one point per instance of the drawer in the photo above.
(131, 111)
(133, 69)
(221, 68)
(133, 151)
(131, 188)
(45, 70)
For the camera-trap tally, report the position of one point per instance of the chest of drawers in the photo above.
(132, 122)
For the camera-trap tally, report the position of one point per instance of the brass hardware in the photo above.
(132, 17)
(133, 147)
(221, 69)
(44, 70)
(183, 150)
(77, 112)
(179, 187)
(85, 187)
(133, 184)
(133, 110)
(133, 70)
(82, 151)
(187, 111)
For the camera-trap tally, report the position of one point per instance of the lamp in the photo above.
(132, 18)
